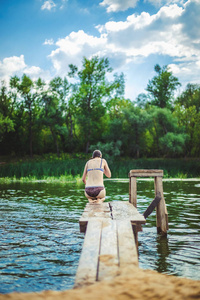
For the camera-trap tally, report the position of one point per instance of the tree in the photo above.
(64, 92)
(162, 87)
(187, 110)
(25, 87)
(6, 112)
(51, 116)
(136, 123)
(93, 89)
(169, 138)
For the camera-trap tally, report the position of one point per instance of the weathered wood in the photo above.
(146, 173)
(126, 244)
(83, 221)
(123, 210)
(133, 191)
(152, 206)
(88, 263)
(109, 241)
(161, 210)
(94, 211)
(108, 257)
(97, 207)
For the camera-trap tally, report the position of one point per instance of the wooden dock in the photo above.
(111, 231)
(110, 240)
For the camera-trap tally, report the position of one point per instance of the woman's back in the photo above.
(95, 171)
(93, 177)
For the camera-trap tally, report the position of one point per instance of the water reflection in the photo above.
(163, 250)
(41, 242)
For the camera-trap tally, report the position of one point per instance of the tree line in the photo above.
(85, 110)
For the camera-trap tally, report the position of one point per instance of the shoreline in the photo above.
(131, 283)
(78, 180)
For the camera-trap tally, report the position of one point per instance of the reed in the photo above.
(71, 169)
(173, 168)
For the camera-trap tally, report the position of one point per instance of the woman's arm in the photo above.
(84, 174)
(107, 171)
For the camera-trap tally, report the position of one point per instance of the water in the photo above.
(40, 242)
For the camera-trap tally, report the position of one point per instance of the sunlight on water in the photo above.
(41, 242)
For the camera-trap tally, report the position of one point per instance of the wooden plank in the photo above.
(83, 221)
(97, 206)
(161, 210)
(91, 211)
(133, 191)
(88, 263)
(126, 244)
(123, 210)
(152, 206)
(108, 258)
(146, 173)
(95, 214)
(98, 211)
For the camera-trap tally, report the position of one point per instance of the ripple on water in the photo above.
(41, 242)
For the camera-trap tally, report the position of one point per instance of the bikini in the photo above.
(93, 191)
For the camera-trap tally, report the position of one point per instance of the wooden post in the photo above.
(133, 191)
(161, 210)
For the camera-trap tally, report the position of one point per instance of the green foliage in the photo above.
(6, 113)
(67, 116)
(93, 89)
(173, 144)
(187, 110)
(68, 169)
(161, 88)
(6, 125)
(111, 150)
(169, 139)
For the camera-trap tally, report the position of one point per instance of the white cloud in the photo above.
(172, 32)
(11, 65)
(118, 5)
(35, 72)
(48, 42)
(72, 49)
(63, 4)
(49, 4)
(159, 3)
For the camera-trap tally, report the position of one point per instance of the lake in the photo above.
(40, 242)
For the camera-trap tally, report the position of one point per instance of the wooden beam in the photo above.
(146, 173)
(91, 211)
(133, 191)
(126, 243)
(88, 263)
(152, 206)
(123, 210)
(108, 257)
(161, 210)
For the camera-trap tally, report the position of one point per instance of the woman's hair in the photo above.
(96, 153)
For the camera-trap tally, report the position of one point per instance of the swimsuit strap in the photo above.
(101, 164)
(100, 169)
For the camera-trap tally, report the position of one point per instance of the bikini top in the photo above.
(100, 168)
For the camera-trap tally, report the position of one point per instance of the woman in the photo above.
(94, 170)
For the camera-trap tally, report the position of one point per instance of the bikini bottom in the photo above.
(94, 191)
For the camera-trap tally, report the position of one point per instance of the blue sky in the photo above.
(42, 37)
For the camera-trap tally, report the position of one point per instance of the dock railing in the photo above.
(158, 202)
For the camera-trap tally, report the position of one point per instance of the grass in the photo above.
(70, 169)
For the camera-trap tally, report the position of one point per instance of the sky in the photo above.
(42, 37)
